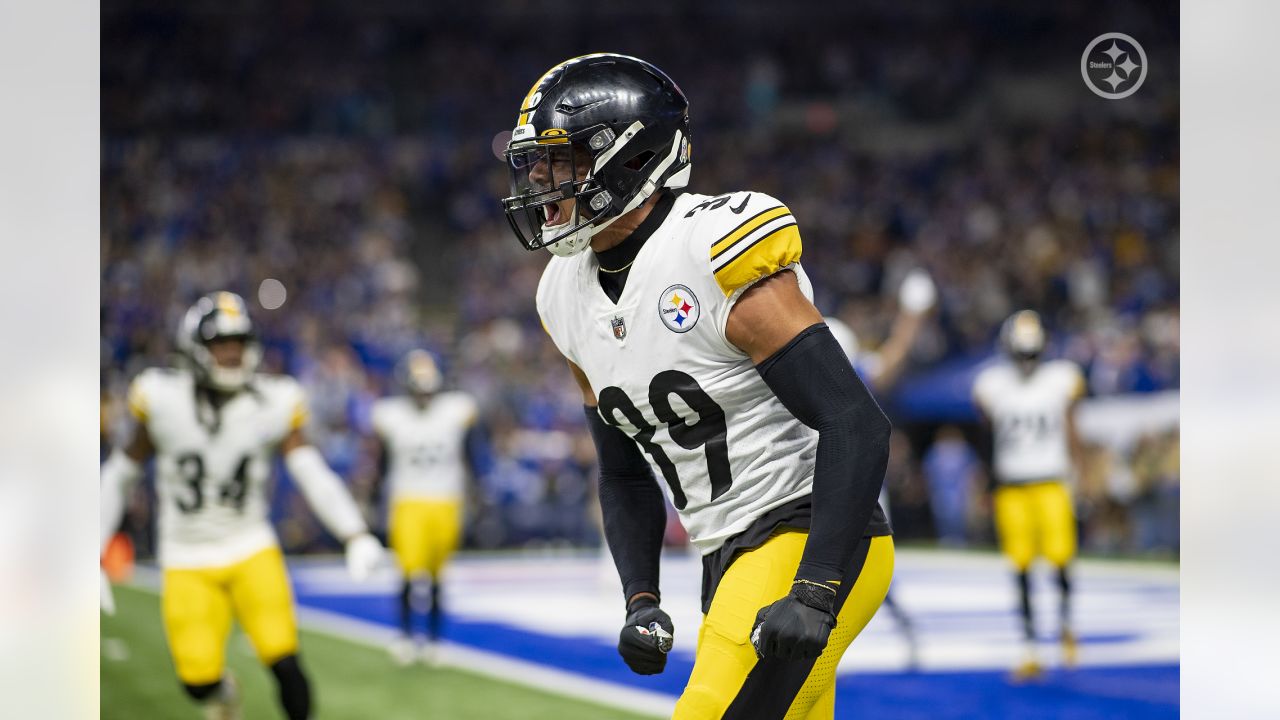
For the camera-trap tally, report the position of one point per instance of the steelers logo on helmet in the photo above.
(219, 316)
(596, 137)
(678, 309)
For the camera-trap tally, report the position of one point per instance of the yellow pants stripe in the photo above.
(756, 579)
(197, 606)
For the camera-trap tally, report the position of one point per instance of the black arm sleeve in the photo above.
(812, 377)
(635, 515)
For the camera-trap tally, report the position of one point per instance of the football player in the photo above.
(213, 428)
(423, 441)
(689, 326)
(1030, 405)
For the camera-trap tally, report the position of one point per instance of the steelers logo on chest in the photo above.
(678, 308)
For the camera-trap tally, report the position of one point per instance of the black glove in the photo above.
(797, 626)
(646, 638)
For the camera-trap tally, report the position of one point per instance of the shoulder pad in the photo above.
(746, 236)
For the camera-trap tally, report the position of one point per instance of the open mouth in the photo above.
(554, 215)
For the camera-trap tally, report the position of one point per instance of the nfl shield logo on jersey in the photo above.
(619, 328)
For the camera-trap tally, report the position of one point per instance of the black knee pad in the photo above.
(200, 693)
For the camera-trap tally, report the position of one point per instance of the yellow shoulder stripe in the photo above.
(748, 225)
(137, 402)
(299, 417)
(764, 257)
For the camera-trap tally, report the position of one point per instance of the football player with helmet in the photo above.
(423, 437)
(213, 428)
(688, 323)
(1030, 405)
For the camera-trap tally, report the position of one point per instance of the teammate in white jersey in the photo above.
(423, 438)
(213, 428)
(690, 329)
(1030, 405)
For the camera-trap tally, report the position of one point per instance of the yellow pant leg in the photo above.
(1057, 519)
(756, 579)
(817, 699)
(1016, 524)
(725, 656)
(444, 523)
(424, 534)
(407, 532)
(196, 610)
(263, 602)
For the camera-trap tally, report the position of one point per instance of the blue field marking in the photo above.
(1094, 692)
(1082, 694)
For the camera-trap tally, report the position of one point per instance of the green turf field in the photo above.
(348, 680)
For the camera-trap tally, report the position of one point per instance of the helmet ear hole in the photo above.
(639, 160)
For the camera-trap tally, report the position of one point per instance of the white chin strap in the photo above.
(573, 243)
(580, 240)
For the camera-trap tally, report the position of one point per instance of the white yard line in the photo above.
(501, 667)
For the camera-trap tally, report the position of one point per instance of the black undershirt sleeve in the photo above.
(635, 514)
(812, 377)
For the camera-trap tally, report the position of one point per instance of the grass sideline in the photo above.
(349, 679)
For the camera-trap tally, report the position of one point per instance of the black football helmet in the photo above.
(216, 316)
(604, 130)
(1022, 336)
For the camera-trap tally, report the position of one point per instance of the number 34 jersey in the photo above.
(666, 375)
(212, 470)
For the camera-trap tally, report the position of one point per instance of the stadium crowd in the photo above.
(355, 160)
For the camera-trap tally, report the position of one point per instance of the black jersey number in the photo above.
(709, 432)
(232, 493)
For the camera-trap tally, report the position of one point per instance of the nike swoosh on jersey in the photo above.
(738, 210)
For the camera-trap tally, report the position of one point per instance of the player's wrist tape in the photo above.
(640, 602)
(815, 595)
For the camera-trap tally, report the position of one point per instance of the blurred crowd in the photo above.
(353, 156)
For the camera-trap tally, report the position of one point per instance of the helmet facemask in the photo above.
(545, 173)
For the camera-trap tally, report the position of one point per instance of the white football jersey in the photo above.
(425, 446)
(1028, 415)
(211, 476)
(664, 372)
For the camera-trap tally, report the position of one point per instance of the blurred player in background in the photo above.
(1030, 405)
(880, 371)
(423, 441)
(690, 328)
(213, 428)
